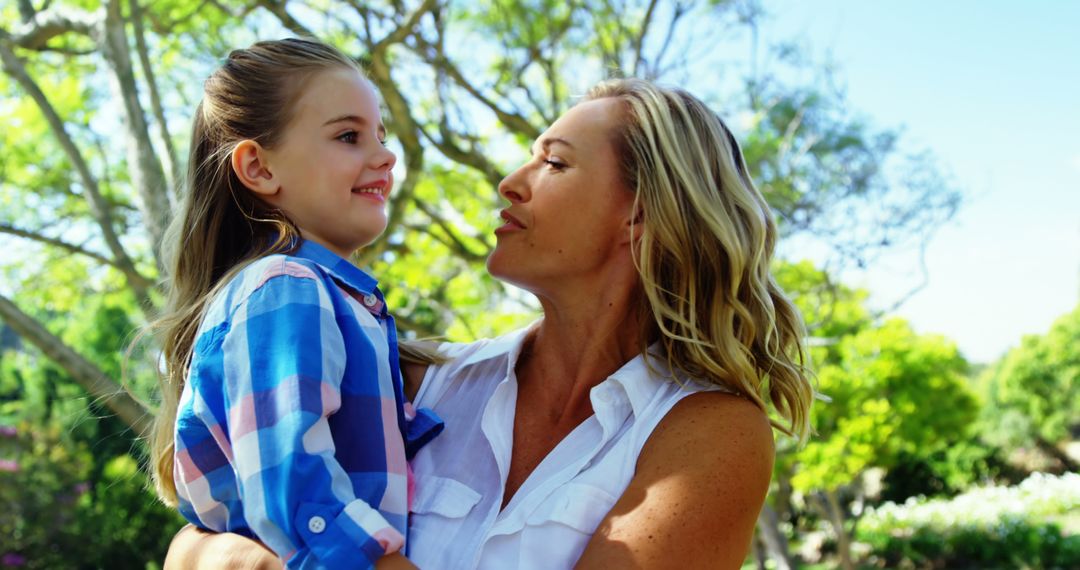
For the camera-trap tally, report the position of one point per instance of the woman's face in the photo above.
(569, 216)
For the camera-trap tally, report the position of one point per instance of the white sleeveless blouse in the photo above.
(460, 476)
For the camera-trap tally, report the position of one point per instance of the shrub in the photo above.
(989, 527)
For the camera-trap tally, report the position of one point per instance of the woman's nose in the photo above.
(513, 187)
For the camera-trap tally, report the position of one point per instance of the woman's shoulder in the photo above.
(715, 429)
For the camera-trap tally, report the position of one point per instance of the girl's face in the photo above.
(331, 168)
(569, 216)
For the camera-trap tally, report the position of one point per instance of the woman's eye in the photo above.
(557, 165)
(349, 137)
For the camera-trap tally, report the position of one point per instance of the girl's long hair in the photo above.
(222, 226)
(704, 253)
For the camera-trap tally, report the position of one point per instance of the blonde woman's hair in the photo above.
(707, 240)
(222, 226)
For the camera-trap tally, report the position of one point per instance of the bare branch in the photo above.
(134, 277)
(456, 243)
(48, 24)
(639, 41)
(405, 28)
(512, 121)
(679, 11)
(104, 389)
(277, 8)
(155, 97)
(147, 174)
(473, 157)
(26, 10)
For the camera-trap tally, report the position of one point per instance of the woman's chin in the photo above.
(507, 271)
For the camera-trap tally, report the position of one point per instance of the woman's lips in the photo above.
(512, 224)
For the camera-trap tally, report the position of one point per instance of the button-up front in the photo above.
(456, 520)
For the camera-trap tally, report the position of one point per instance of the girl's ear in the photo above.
(249, 164)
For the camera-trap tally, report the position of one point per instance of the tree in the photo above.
(73, 65)
(1033, 392)
(893, 393)
(97, 95)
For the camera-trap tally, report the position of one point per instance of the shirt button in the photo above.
(316, 524)
(370, 299)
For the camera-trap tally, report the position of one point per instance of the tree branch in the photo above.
(453, 240)
(136, 278)
(277, 8)
(102, 388)
(48, 24)
(147, 174)
(639, 41)
(155, 97)
(405, 28)
(512, 121)
(99, 208)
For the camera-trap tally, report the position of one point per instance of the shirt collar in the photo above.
(637, 383)
(341, 269)
(634, 384)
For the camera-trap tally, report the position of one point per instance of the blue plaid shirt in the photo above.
(292, 423)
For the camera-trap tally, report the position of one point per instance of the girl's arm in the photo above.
(277, 369)
(701, 480)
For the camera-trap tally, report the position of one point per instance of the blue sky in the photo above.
(993, 90)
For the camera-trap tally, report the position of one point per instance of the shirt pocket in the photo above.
(439, 524)
(444, 497)
(576, 505)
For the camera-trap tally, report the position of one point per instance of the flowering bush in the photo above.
(58, 513)
(987, 527)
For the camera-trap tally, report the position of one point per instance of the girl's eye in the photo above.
(349, 137)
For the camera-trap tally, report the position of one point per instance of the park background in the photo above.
(920, 157)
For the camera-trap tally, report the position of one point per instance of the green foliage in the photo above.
(57, 515)
(1033, 393)
(893, 392)
(991, 527)
(1010, 544)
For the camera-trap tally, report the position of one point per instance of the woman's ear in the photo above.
(635, 223)
(249, 164)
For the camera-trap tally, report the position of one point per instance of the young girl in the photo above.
(283, 416)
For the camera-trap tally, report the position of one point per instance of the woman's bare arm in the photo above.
(196, 549)
(701, 479)
(412, 375)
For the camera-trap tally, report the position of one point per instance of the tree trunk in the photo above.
(828, 503)
(760, 556)
(147, 175)
(774, 541)
(102, 388)
(1054, 451)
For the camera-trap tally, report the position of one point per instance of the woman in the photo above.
(628, 427)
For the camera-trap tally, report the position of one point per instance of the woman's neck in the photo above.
(577, 346)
